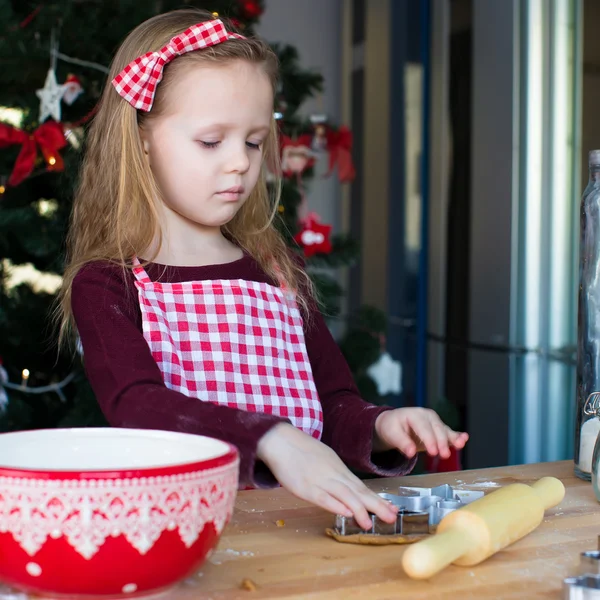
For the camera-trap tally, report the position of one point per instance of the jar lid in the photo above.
(594, 157)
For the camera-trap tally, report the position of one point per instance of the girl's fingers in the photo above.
(382, 508)
(327, 502)
(373, 502)
(424, 430)
(441, 436)
(356, 506)
(457, 438)
(462, 440)
(403, 441)
(357, 502)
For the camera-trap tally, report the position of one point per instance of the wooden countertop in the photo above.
(298, 561)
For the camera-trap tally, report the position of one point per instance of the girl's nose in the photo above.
(239, 161)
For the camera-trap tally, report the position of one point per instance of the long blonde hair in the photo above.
(114, 216)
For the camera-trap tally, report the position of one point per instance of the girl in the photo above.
(192, 314)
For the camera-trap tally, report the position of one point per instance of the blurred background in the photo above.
(434, 154)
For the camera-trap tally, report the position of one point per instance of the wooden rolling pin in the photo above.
(474, 532)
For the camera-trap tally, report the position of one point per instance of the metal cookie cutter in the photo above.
(419, 509)
(589, 562)
(586, 584)
(584, 587)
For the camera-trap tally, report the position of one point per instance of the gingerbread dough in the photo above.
(375, 540)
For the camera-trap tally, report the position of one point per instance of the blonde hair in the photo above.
(114, 216)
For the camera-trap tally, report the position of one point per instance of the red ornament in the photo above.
(296, 155)
(251, 9)
(314, 236)
(339, 144)
(49, 137)
(72, 89)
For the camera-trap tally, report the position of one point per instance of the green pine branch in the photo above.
(345, 251)
(328, 292)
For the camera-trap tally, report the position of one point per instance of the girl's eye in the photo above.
(215, 144)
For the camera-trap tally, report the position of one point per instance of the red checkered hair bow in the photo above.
(138, 80)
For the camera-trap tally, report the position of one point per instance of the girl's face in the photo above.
(206, 148)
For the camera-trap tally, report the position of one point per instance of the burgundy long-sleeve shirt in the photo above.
(130, 389)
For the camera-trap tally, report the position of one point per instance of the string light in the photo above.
(215, 15)
(82, 63)
(52, 161)
(2, 189)
(12, 116)
(42, 389)
(46, 208)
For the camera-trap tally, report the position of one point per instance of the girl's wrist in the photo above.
(268, 442)
(379, 444)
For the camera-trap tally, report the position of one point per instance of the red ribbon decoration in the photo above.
(49, 137)
(339, 146)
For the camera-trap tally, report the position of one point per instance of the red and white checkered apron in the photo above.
(232, 342)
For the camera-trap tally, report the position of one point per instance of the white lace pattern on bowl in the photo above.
(88, 512)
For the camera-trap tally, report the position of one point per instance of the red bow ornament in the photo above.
(339, 144)
(49, 138)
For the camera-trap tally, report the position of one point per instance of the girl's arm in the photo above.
(349, 421)
(128, 383)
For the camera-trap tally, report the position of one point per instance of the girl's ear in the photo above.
(145, 140)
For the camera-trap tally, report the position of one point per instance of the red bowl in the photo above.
(110, 512)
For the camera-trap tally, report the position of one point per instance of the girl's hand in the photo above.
(413, 430)
(313, 472)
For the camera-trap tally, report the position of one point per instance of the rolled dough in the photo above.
(375, 540)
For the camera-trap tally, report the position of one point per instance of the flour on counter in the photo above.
(483, 484)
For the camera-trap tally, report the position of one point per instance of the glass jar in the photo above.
(596, 485)
(587, 423)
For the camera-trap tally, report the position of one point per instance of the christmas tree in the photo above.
(55, 58)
